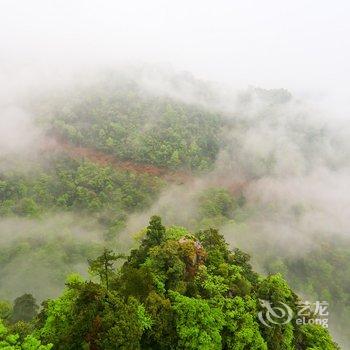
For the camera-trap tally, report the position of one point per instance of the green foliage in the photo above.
(132, 125)
(217, 206)
(172, 292)
(155, 232)
(316, 337)
(163, 333)
(121, 119)
(80, 185)
(175, 232)
(241, 330)
(88, 315)
(323, 274)
(275, 289)
(25, 308)
(12, 341)
(5, 310)
(198, 325)
(27, 207)
(57, 315)
(154, 236)
(215, 245)
(217, 202)
(103, 266)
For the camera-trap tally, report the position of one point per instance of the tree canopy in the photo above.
(177, 290)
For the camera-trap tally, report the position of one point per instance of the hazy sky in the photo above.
(303, 45)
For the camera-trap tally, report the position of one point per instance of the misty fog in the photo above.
(276, 72)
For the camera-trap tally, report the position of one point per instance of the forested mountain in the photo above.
(176, 291)
(114, 151)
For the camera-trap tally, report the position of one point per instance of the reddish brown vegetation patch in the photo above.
(103, 159)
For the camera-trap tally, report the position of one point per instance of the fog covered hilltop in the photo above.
(200, 203)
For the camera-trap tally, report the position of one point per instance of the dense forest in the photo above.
(177, 290)
(114, 152)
